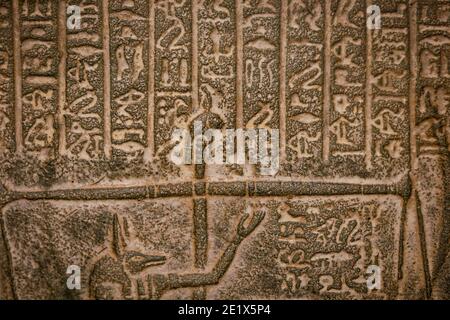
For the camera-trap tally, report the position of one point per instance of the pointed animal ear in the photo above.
(118, 239)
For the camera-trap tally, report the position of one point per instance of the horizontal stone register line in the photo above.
(226, 189)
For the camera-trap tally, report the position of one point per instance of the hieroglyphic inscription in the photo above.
(304, 89)
(326, 248)
(388, 91)
(217, 58)
(433, 93)
(346, 112)
(432, 136)
(129, 34)
(310, 68)
(39, 68)
(341, 117)
(83, 112)
(261, 47)
(6, 78)
(352, 105)
(173, 65)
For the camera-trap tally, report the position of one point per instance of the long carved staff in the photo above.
(208, 120)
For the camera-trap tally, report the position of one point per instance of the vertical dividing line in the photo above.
(413, 50)
(412, 85)
(369, 96)
(107, 81)
(17, 76)
(151, 83)
(195, 100)
(200, 220)
(239, 65)
(62, 75)
(200, 232)
(327, 83)
(240, 121)
(200, 204)
(283, 62)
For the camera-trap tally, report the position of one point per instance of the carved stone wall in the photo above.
(87, 114)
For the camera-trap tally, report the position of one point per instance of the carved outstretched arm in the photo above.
(174, 281)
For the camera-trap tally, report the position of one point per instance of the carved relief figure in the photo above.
(124, 274)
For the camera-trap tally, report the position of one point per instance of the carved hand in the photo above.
(244, 231)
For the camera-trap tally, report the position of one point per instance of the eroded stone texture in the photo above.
(87, 114)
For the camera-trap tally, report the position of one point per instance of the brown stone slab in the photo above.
(355, 93)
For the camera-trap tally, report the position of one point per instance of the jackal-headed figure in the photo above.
(115, 273)
(121, 273)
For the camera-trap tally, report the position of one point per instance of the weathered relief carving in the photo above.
(81, 119)
(39, 70)
(91, 93)
(129, 58)
(6, 79)
(431, 133)
(327, 252)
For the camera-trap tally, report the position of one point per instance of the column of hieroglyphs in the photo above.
(175, 98)
(36, 59)
(217, 59)
(81, 125)
(305, 45)
(432, 132)
(6, 79)
(387, 87)
(346, 109)
(262, 67)
(129, 34)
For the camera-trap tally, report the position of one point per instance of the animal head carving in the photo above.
(133, 261)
